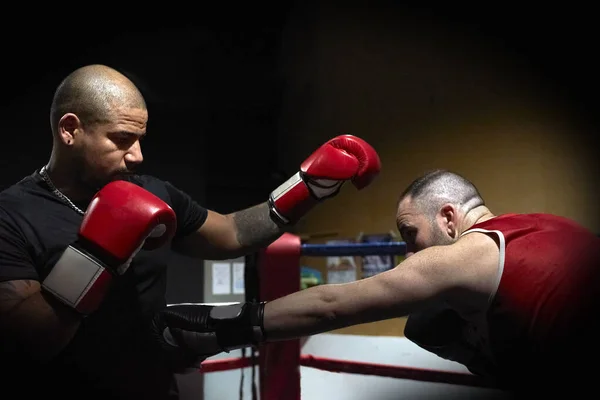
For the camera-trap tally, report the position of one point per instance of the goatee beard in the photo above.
(123, 176)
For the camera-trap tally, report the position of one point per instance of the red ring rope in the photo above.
(226, 364)
(362, 368)
(417, 374)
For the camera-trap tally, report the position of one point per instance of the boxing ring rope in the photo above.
(227, 364)
(353, 249)
(278, 269)
(392, 371)
(362, 368)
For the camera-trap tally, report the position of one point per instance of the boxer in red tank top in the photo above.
(513, 297)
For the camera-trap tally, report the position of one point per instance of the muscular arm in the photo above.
(34, 322)
(464, 271)
(231, 235)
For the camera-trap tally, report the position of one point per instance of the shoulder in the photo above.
(469, 252)
(465, 273)
(20, 195)
(17, 189)
(20, 204)
(475, 242)
(476, 261)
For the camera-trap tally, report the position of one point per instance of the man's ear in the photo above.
(68, 128)
(448, 219)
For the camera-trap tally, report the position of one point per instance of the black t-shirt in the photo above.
(112, 351)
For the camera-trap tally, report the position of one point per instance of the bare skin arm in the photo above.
(34, 321)
(462, 273)
(231, 235)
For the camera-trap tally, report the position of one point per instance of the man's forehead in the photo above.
(131, 112)
(407, 214)
(129, 117)
(405, 206)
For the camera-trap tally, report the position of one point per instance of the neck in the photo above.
(476, 216)
(65, 178)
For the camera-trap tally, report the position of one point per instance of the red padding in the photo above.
(279, 275)
(417, 374)
(226, 364)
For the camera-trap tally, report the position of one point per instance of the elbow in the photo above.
(329, 303)
(330, 310)
(231, 249)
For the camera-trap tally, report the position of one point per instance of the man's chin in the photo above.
(128, 176)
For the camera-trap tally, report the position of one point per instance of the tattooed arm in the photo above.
(33, 322)
(232, 235)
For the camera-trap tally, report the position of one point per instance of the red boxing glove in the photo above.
(322, 174)
(120, 220)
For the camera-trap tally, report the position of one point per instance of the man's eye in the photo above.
(410, 235)
(124, 137)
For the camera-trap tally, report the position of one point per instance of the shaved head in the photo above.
(436, 208)
(98, 117)
(91, 93)
(432, 190)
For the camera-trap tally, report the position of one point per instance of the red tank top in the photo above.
(546, 301)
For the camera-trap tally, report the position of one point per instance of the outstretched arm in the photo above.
(460, 274)
(319, 309)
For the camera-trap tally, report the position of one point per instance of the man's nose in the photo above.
(134, 154)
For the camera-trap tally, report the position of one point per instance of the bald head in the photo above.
(432, 190)
(92, 92)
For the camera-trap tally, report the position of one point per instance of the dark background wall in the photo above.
(240, 95)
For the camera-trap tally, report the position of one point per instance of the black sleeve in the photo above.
(15, 261)
(190, 214)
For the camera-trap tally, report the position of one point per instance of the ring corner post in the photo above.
(279, 269)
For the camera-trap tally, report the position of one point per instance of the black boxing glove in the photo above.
(190, 333)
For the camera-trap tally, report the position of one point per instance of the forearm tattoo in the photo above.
(255, 227)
